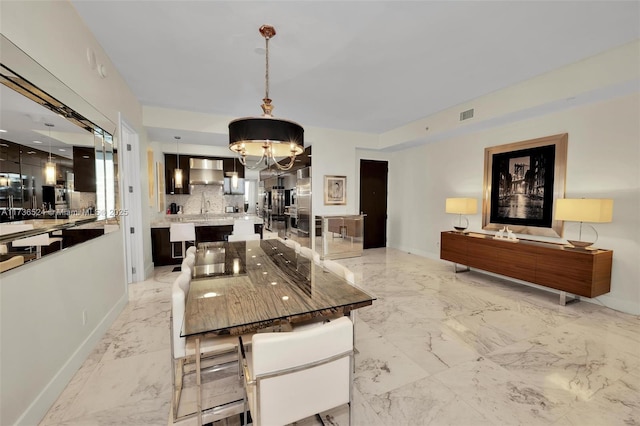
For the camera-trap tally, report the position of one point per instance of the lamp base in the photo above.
(460, 224)
(580, 245)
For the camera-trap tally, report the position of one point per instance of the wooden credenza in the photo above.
(584, 273)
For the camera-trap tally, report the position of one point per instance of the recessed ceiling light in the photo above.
(31, 152)
(3, 131)
(85, 156)
(37, 142)
(4, 144)
(61, 149)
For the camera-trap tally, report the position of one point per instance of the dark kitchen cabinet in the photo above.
(161, 246)
(9, 157)
(84, 169)
(170, 165)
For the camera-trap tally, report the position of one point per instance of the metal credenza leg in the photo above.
(457, 271)
(567, 301)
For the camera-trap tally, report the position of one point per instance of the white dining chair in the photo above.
(293, 375)
(183, 350)
(340, 270)
(189, 260)
(310, 254)
(191, 249)
(181, 233)
(243, 230)
(292, 244)
(243, 237)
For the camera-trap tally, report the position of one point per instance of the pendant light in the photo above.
(234, 176)
(178, 170)
(50, 166)
(266, 137)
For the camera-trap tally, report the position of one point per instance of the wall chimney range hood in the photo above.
(203, 171)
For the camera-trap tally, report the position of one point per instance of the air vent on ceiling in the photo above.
(465, 115)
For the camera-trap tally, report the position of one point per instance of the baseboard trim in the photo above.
(41, 404)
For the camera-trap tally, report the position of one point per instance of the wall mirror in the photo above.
(44, 122)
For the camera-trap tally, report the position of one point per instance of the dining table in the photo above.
(263, 285)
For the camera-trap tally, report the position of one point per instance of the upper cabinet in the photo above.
(84, 168)
(170, 165)
(9, 157)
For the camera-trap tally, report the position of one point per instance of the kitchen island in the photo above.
(209, 228)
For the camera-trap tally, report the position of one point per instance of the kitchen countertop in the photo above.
(204, 219)
(42, 223)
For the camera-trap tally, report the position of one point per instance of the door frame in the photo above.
(129, 160)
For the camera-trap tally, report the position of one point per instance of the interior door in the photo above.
(373, 202)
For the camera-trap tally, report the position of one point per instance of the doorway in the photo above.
(373, 201)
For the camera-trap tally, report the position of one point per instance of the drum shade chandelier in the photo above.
(266, 137)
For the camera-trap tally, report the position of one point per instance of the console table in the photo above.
(579, 272)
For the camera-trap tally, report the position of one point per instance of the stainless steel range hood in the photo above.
(203, 171)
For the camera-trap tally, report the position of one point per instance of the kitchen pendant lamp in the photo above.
(50, 166)
(177, 176)
(234, 176)
(266, 137)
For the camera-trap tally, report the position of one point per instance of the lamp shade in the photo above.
(584, 209)
(461, 205)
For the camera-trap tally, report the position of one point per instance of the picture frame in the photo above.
(335, 190)
(522, 181)
(161, 187)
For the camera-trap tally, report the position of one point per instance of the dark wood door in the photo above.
(373, 202)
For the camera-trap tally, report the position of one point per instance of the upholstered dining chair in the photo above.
(243, 230)
(243, 237)
(183, 349)
(293, 375)
(189, 262)
(310, 254)
(292, 244)
(340, 270)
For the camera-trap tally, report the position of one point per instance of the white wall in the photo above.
(603, 158)
(43, 340)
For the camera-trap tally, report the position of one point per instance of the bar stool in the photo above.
(37, 241)
(181, 233)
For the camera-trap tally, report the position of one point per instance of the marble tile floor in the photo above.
(436, 348)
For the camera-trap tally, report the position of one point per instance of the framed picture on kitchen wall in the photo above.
(161, 188)
(522, 181)
(335, 190)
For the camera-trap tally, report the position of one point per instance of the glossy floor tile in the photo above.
(436, 348)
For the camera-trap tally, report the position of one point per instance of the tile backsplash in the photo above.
(203, 198)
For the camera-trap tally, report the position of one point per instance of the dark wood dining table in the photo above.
(245, 286)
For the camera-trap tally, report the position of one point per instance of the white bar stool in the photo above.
(181, 233)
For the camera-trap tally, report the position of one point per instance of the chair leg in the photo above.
(178, 373)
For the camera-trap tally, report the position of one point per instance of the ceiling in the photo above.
(368, 66)
(23, 122)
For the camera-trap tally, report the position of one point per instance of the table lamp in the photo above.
(594, 210)
(461, 206)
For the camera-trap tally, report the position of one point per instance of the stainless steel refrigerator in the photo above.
(303, 194)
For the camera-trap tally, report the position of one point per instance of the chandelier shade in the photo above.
(250, 137)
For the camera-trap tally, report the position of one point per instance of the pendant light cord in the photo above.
(266, 74)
